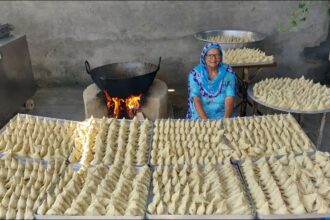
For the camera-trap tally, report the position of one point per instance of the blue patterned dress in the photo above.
(211, 92)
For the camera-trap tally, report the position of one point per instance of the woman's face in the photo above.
(213, 58)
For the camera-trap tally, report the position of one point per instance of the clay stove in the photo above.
(153, 104)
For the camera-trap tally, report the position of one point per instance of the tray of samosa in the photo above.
(250, 64)
(182, 141)
(289, 187)
(301, 96)
(42, 138)
(98, 192)
(108, 140)
(198, 192)
(247, 57)
(23, 184)
(269, 135)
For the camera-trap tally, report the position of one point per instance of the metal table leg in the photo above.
(244, 83)
(319, 138)
(254, 107)
(244, 99)
(244, 91)
(300, 119)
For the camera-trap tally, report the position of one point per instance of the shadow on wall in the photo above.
(320, 54)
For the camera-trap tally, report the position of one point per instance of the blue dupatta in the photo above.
(211, 92)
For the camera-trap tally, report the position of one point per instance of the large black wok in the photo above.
(124, 79)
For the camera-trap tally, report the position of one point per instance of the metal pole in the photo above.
(254, 107)
(319, 139)
(244, 91)
(300, 119)
(246, 74)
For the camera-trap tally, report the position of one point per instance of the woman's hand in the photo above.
(199, 107)
(229, 106)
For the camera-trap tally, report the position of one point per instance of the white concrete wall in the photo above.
(62, 35)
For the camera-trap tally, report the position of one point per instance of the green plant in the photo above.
(298, 15)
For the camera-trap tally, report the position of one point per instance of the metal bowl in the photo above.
(257, 37)
(124, 79)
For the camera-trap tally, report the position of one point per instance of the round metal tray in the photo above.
(251, 95)
(203, 35)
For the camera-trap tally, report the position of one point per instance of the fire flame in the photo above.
(116, 105)
(133, 102)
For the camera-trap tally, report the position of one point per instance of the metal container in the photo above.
(148, 216)
(17, 83)
(148, 154)
(124, 79)
(37, 117)
(255, 65)
(53, 182)
(204, 120)
(295, 216)
(256, 36)
(251, 95)
(76, 167)
(168, 216)
(41, 118)
(312, 146)
(277, 157)
(86, 217)
(285, 216)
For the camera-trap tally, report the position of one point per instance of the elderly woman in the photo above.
(211, 86)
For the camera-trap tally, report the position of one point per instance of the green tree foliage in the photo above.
(298, 15)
